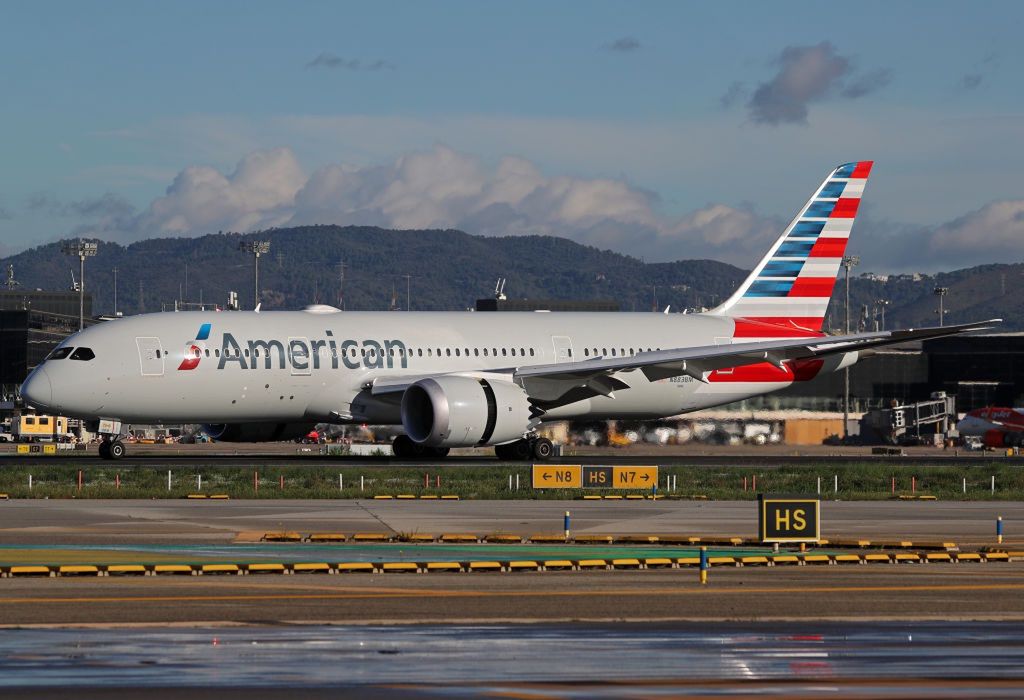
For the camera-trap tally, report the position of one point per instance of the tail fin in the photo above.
(792, 284)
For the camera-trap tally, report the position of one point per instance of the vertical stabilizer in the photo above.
(792, 284)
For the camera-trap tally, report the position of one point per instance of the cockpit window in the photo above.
(83, 354)
(60, 353)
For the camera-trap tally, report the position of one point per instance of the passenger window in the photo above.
(207, 352)
(522, 352)
(457, 353)
(476, 352)
(531, 352)
(419, 352)
(586, 352)
(504, 352)
(570, 352)
(513, 352)
(448, 352)
(485, 352)
(159, 354)
(60, 353)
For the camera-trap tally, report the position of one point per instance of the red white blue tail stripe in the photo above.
(788, 292)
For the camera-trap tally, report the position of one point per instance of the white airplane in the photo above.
(466, 379)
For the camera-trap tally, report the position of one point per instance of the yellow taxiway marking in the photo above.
(451, 593)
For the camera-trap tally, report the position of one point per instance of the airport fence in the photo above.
(868, 481)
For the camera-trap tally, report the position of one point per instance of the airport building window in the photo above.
(29, 420)
(60, 353)
(44, 420)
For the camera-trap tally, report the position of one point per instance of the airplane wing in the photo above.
(602, 376)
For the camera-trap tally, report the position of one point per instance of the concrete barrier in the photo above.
(327, 537)
(79, 570)
(482, 566)
(311, 567)
(442, 566)
(558, 565)
(371, 537)
(173, 570)
(523, 566)
(18, 571)
(459, 537)
(282, 537)
(266, 568)
(125, 570)
(354, 567)
(399, 567)
(220, 570)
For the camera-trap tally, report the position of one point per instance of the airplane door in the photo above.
(151, 357)
(563, 348)
(298, 356)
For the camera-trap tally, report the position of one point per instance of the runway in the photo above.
(220, 522)
(849, 660)
(273, 454)
(895, 592)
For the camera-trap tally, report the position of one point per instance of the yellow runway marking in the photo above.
(449, 593)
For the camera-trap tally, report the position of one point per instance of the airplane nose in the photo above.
(37, 390)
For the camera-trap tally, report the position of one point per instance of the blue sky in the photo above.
(664, 130)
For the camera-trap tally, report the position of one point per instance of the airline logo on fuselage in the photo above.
(302, 354)
(195, 349)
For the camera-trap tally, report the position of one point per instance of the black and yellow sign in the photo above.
(635, 477)
(574, 476)
(788, 519)
(557, 476)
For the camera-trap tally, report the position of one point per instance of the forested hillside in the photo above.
(448, 270)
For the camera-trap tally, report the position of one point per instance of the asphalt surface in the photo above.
(211, 522)
(250, 454)
(889, 592)
(848, 660)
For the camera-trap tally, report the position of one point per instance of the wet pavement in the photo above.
(805, 659)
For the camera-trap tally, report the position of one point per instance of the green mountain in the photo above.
(448, 270)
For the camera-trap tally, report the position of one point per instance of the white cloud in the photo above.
(446, 188)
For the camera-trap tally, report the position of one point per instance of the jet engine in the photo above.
(256, 432)
(456, 411)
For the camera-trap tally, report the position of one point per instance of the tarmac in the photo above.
(693, 454)
(968, 523)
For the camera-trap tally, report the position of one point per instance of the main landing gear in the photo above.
(404, 448)
(538, 448)
(112, 448)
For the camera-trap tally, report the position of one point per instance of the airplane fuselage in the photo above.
(293, 366)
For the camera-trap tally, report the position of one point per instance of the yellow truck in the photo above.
(39, 428)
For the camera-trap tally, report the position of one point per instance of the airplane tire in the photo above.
(403, 447)
(542, 449)
(116, 449)
(518, 451)
(105, 450)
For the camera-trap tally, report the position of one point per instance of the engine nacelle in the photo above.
(463, 411)
(256, 432)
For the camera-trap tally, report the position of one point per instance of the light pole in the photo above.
(257, 248)
(882, 303)
(849, 261)
(83, 249)
(941, 293)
